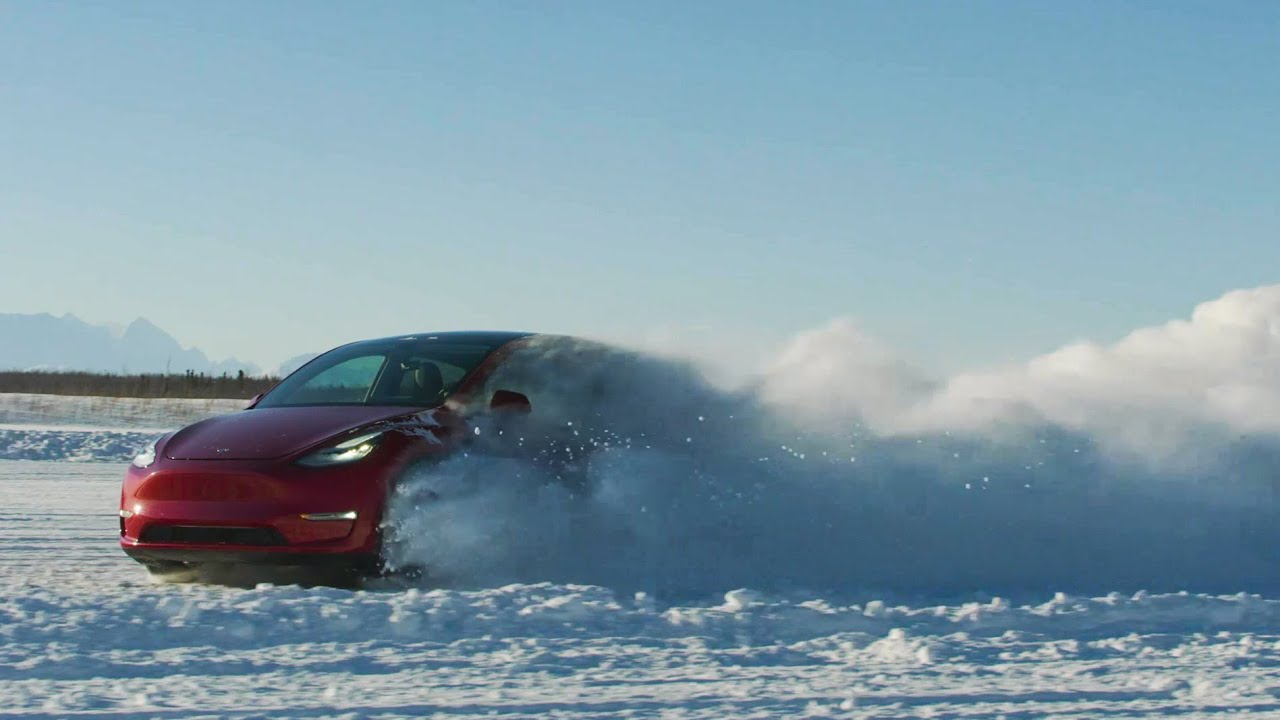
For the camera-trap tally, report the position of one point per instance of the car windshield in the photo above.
(406, 372)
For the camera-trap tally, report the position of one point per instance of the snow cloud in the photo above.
(1143, 464)
(1216, 373)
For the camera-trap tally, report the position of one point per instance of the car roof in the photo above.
(494, 338)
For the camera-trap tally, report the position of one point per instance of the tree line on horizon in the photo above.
(146, 385)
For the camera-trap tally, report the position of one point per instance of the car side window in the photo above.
(348, 382)
(451, 373)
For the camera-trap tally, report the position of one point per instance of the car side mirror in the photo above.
(254, 401)
(509, 401)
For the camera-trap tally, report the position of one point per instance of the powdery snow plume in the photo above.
(1162, 393)
(843, 470)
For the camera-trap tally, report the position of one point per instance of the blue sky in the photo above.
(975, 182)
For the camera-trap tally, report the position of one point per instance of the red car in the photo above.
(302, 477)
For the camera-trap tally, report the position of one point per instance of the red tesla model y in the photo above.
(302, 477)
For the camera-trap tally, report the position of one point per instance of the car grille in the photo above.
(211, 535)
(211, 487)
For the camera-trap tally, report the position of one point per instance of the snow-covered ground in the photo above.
(85, 632)
(19, 442)
(142, 414)
(88, 429)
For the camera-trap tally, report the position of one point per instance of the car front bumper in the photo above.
(248, 512)
(358, 562)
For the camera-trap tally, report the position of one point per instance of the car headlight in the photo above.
(344, 452)
(147, 454)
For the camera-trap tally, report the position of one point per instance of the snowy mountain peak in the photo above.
(69, 343)
(144, 326)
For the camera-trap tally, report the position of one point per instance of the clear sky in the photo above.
(975, 182)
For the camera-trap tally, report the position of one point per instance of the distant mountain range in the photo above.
(46, 342)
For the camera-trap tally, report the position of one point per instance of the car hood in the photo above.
(266, 433)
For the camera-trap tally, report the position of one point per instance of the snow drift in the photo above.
(1148, 464)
